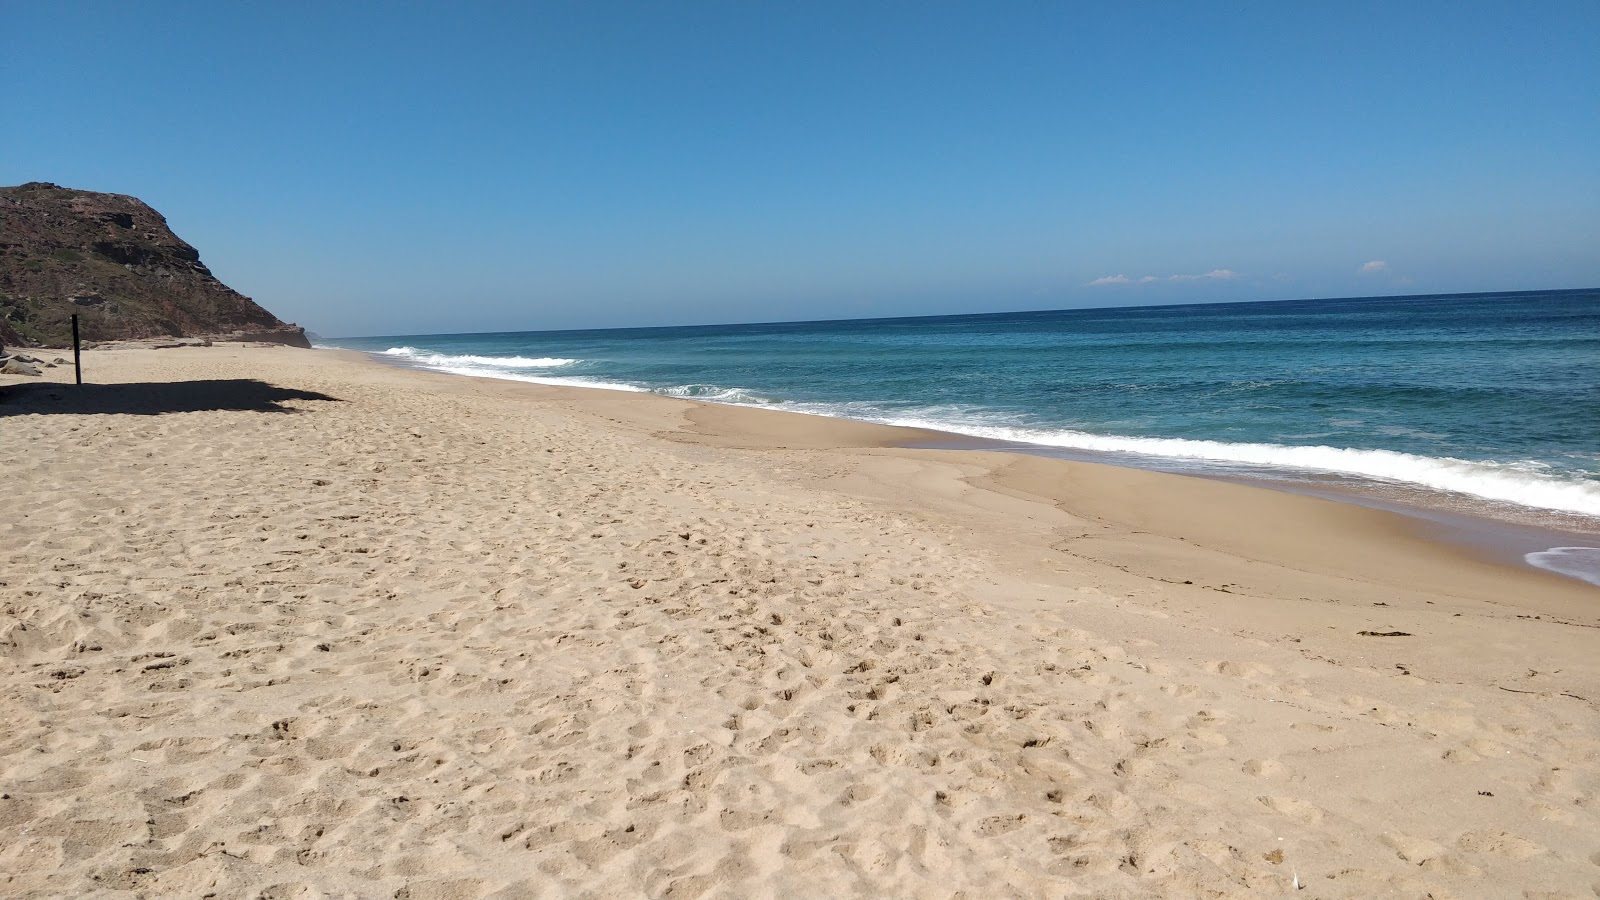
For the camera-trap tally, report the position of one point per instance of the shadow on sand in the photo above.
(150, 399)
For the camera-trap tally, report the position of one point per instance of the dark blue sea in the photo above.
(1487, 401)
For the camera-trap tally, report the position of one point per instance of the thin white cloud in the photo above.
(1213, 275)
(1377, 265)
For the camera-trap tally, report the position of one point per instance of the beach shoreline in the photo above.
(292, 619)
(1494, 532)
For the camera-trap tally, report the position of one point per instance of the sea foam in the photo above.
(1513, 482)
(714, 394)
(424, 357)
(1582, 563)
(497, 366)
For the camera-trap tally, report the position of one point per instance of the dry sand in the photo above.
(322, 628)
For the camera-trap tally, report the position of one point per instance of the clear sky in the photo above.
(391, 168)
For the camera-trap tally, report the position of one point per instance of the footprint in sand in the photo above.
(1313, 727)
(1298, 810)
(1498, 843)
(1412, 849)
(998, 825)
(1209, 738)
(1265, 768)
(1186, 691)
(1486, 747)
(1239, 669)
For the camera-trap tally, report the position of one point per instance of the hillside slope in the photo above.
(112, 260)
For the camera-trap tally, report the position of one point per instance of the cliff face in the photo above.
(112, 260)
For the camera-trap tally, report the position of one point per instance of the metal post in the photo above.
(77, 362)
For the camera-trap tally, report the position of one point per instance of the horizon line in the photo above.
(981, 314)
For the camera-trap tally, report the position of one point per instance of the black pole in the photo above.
(77, 362)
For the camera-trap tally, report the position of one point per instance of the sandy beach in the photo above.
(291, 624)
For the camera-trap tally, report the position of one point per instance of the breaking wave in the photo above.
(508, 368)
(426, 358)
(713, 394)
(1519, 483)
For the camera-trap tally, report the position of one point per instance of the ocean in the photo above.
(1479, 405)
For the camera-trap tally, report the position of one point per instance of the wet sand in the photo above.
(1498, 532)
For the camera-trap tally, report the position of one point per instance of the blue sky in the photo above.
(414, 168)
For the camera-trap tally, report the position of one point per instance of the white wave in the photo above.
(714, 394)
(1518, 482)
(475, 372)
(1582, 563)
(497, 366)
(424, 357)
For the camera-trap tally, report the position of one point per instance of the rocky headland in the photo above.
(113, 260)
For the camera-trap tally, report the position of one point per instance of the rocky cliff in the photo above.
(112, 260)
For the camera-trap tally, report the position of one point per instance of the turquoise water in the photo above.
(1492, 398)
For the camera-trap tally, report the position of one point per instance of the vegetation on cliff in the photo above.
(112, 260)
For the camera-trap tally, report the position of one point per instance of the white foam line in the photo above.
(1516, 482)
(1582, 563)
(426, 358)
(471, 372)
(1507, 482)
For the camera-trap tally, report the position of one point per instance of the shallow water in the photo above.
(1582, 563)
